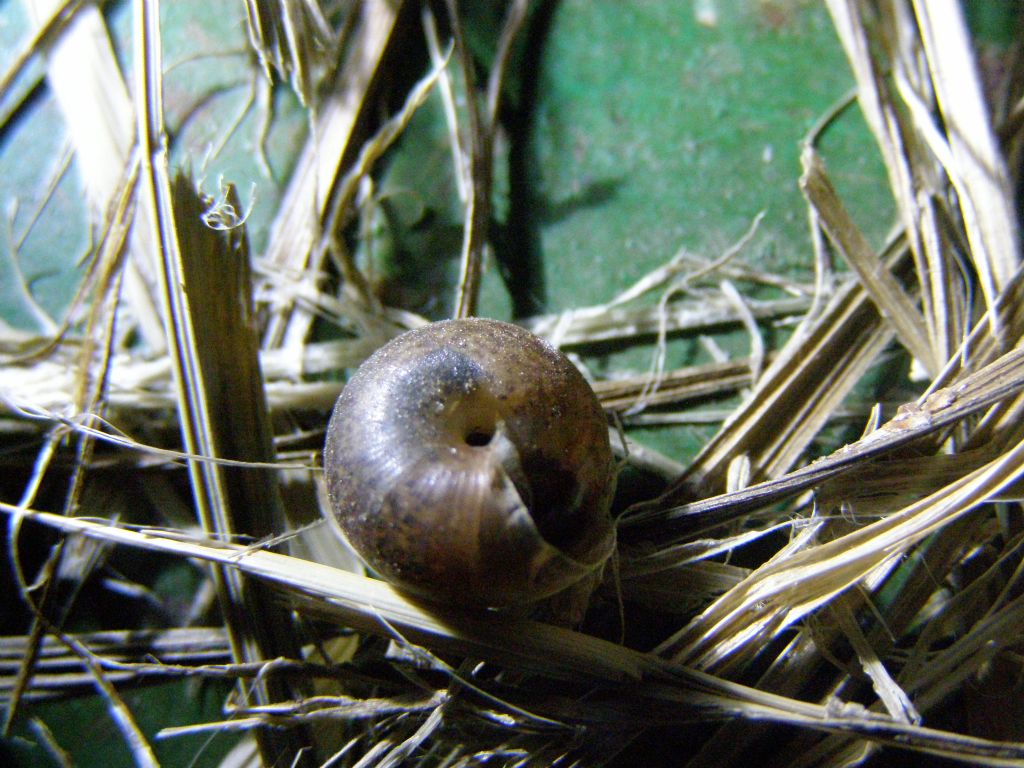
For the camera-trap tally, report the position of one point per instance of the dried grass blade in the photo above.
(878, 47)
(476, 146)
(675, 386)
(999, 380)
(481, 128)
(312, 710)
(790, 403)
(892, 300)
(876, 102)
(200, 315)
(979, 174)
(90, 89)
(675, 691)
(947, 670)
(928, 675)
(332, 145)
(593, 325)
(943, 295)
(782, 592)
(48, 28)
(177, 644)
(340, 207)
(984, 345)
(140, 748)
(87, 83)
(90, 378)
(293, 39)
(896, 701)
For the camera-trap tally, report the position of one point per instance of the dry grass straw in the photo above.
(853, 628)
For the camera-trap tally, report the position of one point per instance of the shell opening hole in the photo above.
(478, 437)
(555, 505)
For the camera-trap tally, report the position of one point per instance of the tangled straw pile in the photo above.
(870, 596)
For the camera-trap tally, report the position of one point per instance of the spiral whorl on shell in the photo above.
(468, 462)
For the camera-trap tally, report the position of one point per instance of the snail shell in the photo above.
(468, 463)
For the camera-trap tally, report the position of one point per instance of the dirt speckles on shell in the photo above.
(468, 462)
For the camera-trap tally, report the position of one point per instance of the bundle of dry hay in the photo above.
(179, 410)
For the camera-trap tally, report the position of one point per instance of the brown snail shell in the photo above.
(468, 462)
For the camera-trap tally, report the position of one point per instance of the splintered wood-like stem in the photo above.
(206, 292)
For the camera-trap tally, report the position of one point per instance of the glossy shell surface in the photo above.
(468, 462)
